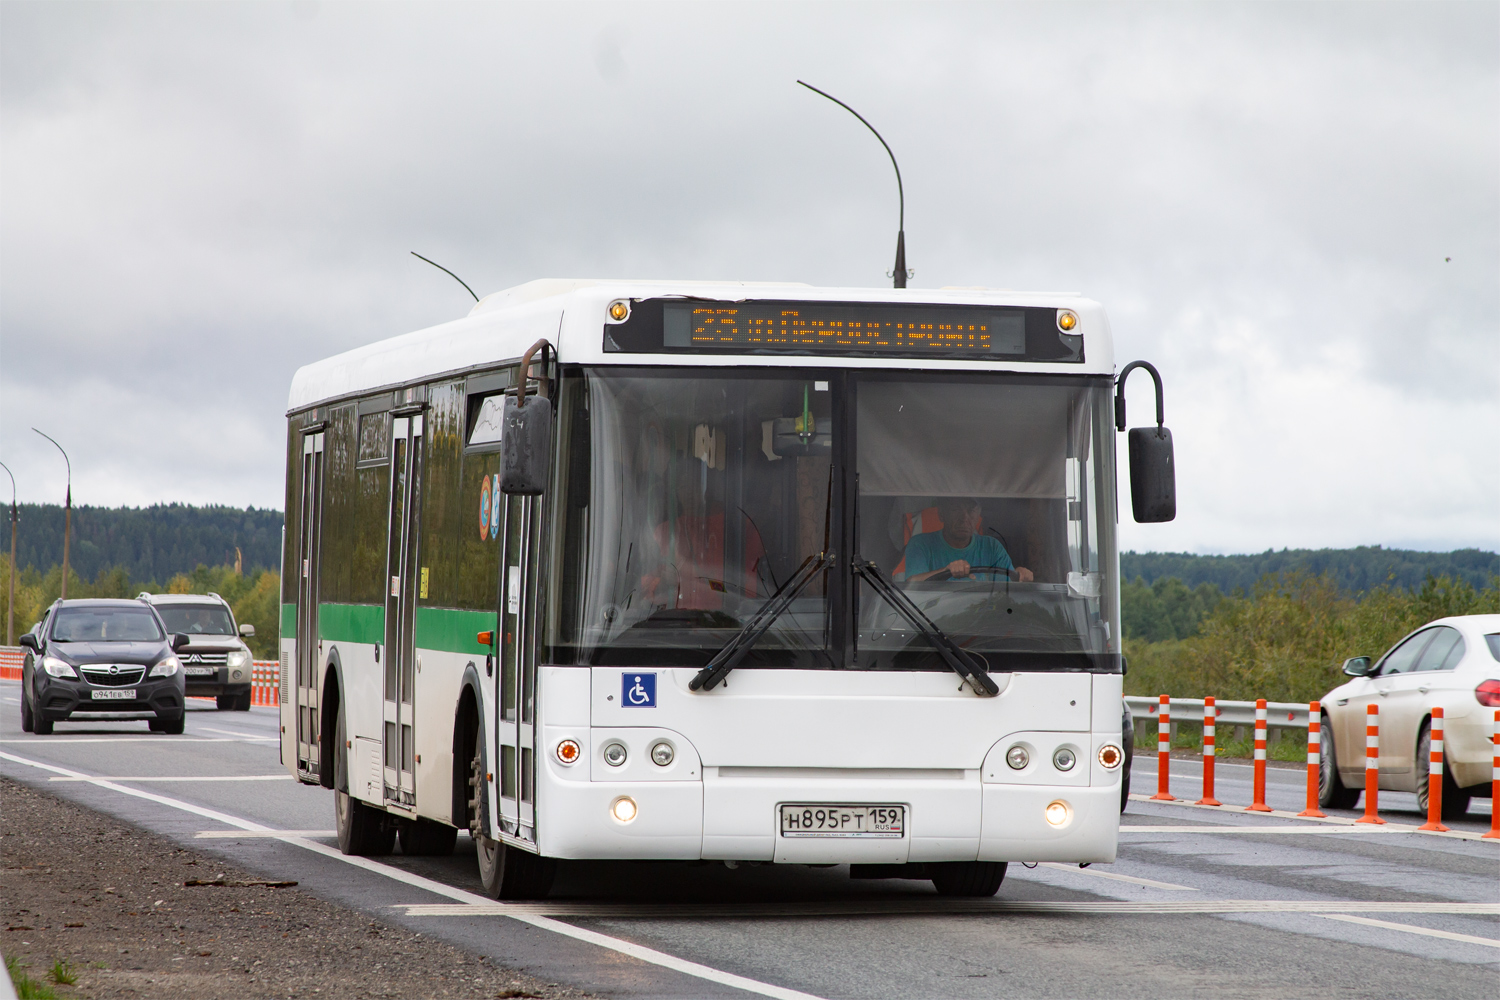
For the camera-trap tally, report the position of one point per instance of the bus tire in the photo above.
(967, 878)
(1331, 791)
(361, 829)
(505, 872)
(425, 838)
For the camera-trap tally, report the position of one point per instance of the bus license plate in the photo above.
(823, 820)
(113, 694)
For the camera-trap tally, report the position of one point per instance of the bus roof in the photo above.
(571, 313)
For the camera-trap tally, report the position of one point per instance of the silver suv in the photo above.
(216, 661)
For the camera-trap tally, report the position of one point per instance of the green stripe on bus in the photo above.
(351, 623)
(289, 621)
(451, 630)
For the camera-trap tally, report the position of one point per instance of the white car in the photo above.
(1452, 662)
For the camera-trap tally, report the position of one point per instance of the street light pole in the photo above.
(10, 604)
(67, 516)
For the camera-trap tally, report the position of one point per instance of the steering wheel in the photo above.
(947, 574)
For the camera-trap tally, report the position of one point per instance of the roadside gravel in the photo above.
(108, 899)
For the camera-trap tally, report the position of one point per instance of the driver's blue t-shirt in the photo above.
(928, 551)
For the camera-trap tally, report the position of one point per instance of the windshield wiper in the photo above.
(735, 649)
(968, 666)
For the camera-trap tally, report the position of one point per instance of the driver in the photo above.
(958, 549)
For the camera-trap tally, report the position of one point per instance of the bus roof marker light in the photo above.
(568, 751)
(1058, 813)
(623, 809)
(619, 310)
(1067, 320)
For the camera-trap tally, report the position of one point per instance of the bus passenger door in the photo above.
(515, 719)
(306, 666)
(400, 607)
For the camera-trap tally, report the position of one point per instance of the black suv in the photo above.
(98, 656)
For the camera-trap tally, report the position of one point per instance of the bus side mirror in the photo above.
(1153, 475)
(525, 446)
(1153, 472)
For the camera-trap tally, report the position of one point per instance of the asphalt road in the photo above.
(1200, 902)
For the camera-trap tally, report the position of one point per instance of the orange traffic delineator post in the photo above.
(1372, 764)
(1164, 750)
(1259, 804)
(1435, 774)
(1210, 713)
(1494, 833)
(1314, 758)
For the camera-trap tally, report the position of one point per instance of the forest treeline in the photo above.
(148, 543)
(1354, 571)
(254, 596)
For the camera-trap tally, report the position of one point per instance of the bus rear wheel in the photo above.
(967, 878)
(506, 872)
(361, 829)
(424, 837)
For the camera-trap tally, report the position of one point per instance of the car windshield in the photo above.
(688, 497)
(196, 619)
(105, 625)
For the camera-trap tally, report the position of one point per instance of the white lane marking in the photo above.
(468, 898)
(14, 701)
(243, 736)
(1233, 809)
(1474, 835)
(201, 777)
(935, 904)
(1412, 929)
(1115, 876)
(241, 834)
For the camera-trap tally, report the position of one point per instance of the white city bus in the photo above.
(743, 572)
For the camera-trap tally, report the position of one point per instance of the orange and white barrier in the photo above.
(265, 683)
(1164, 751)
(1210, 714)
(11, 658)
(1314, 758)
(1259, 785)
(1372, 765)
(1494, 833)
(1435, 773)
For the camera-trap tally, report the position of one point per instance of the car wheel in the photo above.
(1455, 799)
(967, 878)
(26, 720)
(174, 727)
(1331, 791)
(41, 726)
(242, 702)
(226, 702)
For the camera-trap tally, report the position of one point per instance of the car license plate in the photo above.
(804, 819)
(200, 671)
(113, 694)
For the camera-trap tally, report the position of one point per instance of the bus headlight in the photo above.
(1064, 759)
(623, 809)
(1110, 756)
(661, 754)
(1017, 757)
(1058, 813)
(614, 754)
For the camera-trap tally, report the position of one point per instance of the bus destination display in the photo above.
(839, 329)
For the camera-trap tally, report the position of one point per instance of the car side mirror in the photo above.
(29, 641)
(1153, 470)
(526, 434)
(179, 640)
(248, 631)
(1358, 666)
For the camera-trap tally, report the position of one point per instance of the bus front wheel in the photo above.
(967, 878)
(506, 872)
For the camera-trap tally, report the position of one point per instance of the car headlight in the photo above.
(238, 659)
(165, 667)
(59, 668)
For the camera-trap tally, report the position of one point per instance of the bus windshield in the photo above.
(688, 497)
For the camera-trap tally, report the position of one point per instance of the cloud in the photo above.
(200, 198)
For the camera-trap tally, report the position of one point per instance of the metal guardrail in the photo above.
(1281, 716)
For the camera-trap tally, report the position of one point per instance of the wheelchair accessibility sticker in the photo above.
(638, 690)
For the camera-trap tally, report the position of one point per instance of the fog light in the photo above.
(1058, 813)
(623, 809)
(614, 754)
(619, 310)
(1064, 759)
(662, 754)
(568, 751)
(1110, 756)
(1017, 757)
(238, 674)
(1067, 320)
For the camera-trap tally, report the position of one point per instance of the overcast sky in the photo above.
(1293, 210)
